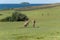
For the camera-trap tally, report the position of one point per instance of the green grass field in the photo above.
(47, 26)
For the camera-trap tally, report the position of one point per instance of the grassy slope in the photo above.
(46, 26)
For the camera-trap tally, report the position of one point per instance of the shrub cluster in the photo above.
(16, 16)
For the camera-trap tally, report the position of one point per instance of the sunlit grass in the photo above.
(47, 26)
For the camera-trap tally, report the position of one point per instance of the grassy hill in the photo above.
(27, 8)
(47, 25)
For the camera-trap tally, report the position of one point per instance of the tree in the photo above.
(16, 16)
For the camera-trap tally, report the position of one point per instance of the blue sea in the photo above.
(6, 6)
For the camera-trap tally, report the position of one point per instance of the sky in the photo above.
(30, 1)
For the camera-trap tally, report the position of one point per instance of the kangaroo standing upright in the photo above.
(34, 23)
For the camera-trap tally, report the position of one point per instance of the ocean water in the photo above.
(7, 6)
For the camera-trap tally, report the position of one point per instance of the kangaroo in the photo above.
(34, 23)
(26, 23)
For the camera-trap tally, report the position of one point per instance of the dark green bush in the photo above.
(1, 14)
(16, 16)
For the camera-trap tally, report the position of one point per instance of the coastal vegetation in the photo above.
(47, 25)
